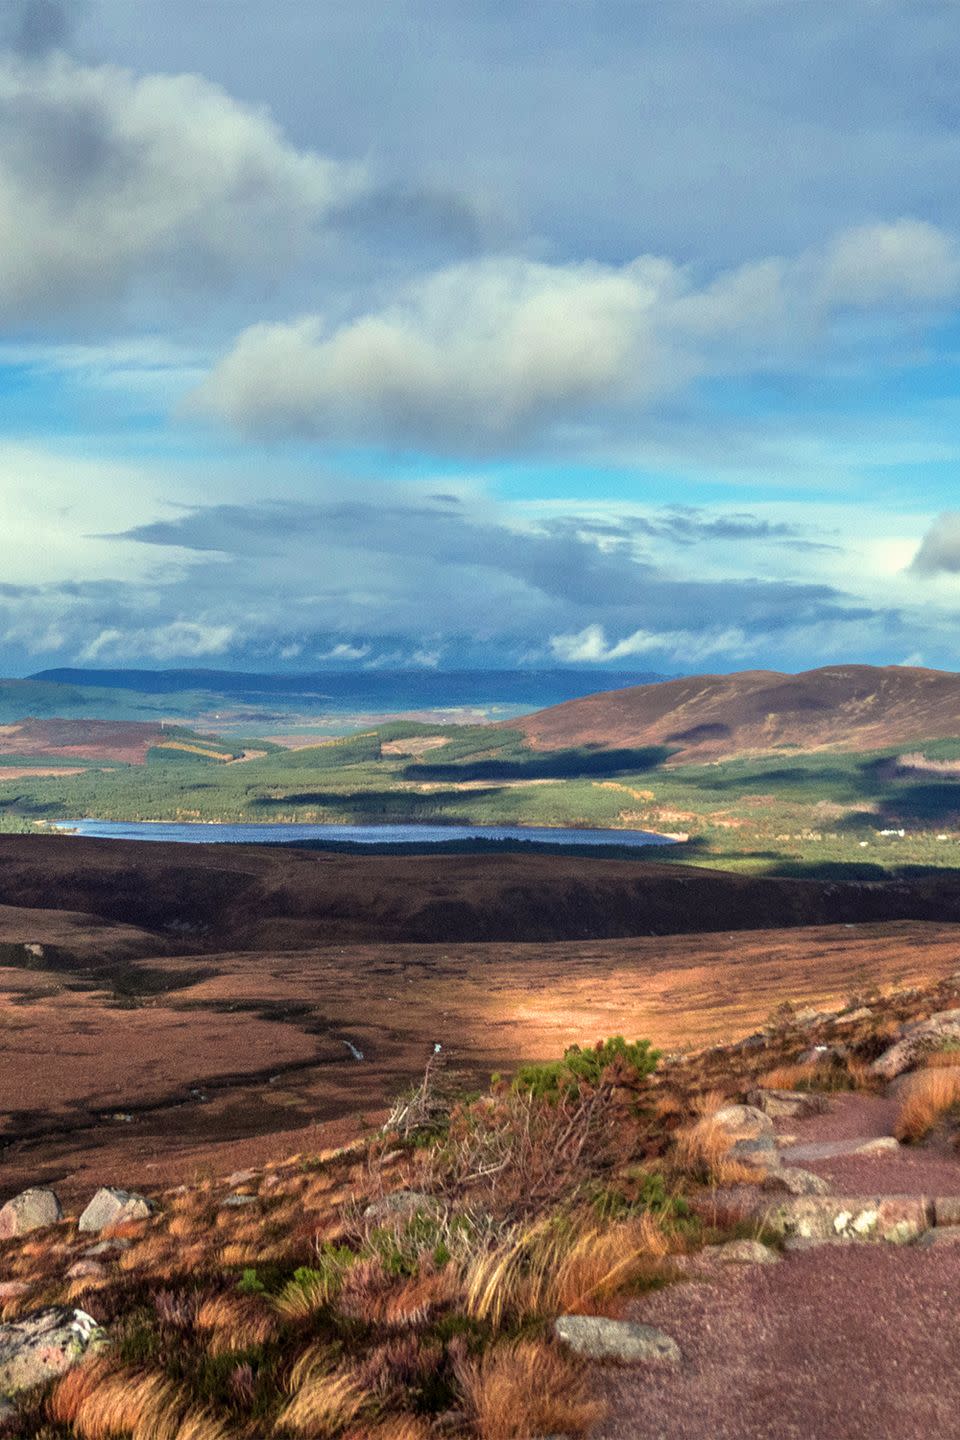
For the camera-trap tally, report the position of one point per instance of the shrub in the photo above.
(629, 1062)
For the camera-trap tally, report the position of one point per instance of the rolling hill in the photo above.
(716, 717)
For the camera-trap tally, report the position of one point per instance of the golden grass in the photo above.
(324, 1400)
(524, 1389)
(931, 1094)
(852, 1074)
(702, 1150)
(941, 1059)
(236, 1322)
(144, 1404)
(544, 1269)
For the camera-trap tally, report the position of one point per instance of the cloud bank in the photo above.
(107, 177)
(489, 353)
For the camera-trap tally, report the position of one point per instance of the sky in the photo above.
(455, 333)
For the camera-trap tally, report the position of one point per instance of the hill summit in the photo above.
(713, 717)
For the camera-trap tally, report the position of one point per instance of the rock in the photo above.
(237, 1202)
(86, 1270)
(880, 1145)
(108, 1247)
(919, 1037)
(744, 1122)
(946, 1210)
(823, 1055)
(761, 1153)
(741, 1252)
(796, 1182)
(399, 1205)
(30, 1210)
(854, 1017)
(895, 1219)
(785, 1104)
(40, 1346)
(10, 1289)
(597, 1338)
(241, 1177)
(111, 1206)
(937, 1237)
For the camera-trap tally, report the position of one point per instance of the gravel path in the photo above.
(932, 1169)
(859, 1343)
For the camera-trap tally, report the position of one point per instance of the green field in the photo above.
(792, 812)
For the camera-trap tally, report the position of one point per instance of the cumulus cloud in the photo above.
(907, 260)
(939, 552)
(488, 352)
(106, 176)
(687, 647)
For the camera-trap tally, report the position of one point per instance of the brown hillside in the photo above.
(124, 740)
(712, 717)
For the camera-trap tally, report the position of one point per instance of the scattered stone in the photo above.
(241, 1177)
(937, 1237)
(86, 1270)
(111, 1206)
(761, 1153)
(895, 1219)
(597, 1338)
(881, 1145)
(744, 1122)
(946, 1210)
(10, 1289)
(854, 1017)
(237, 1202)
(398, 1205)
(40, 1346)
(823, 1055)
(786, 1104)
(741, 1252)
(108, 1247)
(919, 1037)
(795, 1181)
(30, 1210)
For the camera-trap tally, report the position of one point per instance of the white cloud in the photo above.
(939, 552)
(483, 353)
(590, 645)
(178, 640)
(105, 176)
(906, 259)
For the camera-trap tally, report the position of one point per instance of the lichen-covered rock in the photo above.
(30, 1210)
(895, 1219)
(596, 1338)
(111, 1206)
(40, 1346)
(920, 1037)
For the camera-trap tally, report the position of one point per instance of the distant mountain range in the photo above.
(713, 717)
(382, 690)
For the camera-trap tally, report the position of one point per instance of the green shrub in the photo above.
(634, 1061)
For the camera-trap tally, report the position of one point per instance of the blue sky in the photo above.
(607, 333)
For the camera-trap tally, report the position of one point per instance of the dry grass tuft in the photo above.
(235, 1322)
(702, 1151)
(144, 1404)
(524, 1389)
(941, 1059)
(546, 1268)
(932, 1094)
(324, 1400)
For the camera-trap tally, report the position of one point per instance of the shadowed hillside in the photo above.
(852, 707)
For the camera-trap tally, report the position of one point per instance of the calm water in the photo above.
(194, 834)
